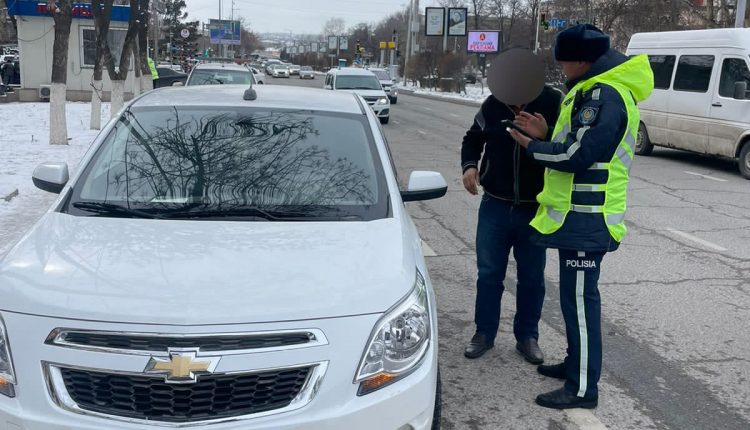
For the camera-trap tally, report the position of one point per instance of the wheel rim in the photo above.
(747, 161)
(639, 140)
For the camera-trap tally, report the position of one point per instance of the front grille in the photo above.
(146, 342)
(211, 397)
(371, 100)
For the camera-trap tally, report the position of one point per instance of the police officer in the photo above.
(582, 205)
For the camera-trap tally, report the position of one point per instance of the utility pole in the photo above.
(739, 20)
(445, 29)
(538, 24)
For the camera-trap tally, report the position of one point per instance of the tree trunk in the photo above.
(101, 29)
(118, 96)
(147, 82)
(96, 105)
(58, 129)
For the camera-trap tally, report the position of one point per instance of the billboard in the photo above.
(483, 42)
(225, 32)
(434, 21)
(457, 17)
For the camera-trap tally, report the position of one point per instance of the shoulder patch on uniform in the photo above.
(588, 115)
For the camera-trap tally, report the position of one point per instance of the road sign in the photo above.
(383, 45)
(557, 23)
(391, 45)
(185, 33)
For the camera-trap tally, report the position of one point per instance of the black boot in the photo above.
(553, 370)
(561, 399)
(529, 348)
(478, 346)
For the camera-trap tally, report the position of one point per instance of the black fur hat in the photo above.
(583, 42)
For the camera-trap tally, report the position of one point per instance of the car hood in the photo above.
(367, 93)
(206, 272)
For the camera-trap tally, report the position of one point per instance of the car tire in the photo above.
(385, 120)
(745, 160)
(437, 413)
(643, 144)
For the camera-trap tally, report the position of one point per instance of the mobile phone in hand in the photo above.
(510, 124)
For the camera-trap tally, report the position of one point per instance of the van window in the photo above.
(733, 70)
(694, 73)
(663, 66)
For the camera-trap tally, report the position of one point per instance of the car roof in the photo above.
(270, 96)
(226, 66)
(351, 71)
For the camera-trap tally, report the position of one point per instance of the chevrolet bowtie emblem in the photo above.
(182, 366)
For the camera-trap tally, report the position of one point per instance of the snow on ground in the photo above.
(473, 93)
(25, 144)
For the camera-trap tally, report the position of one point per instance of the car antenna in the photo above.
(250, 94)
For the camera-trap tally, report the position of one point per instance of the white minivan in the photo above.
(363, 83)
(701, 101)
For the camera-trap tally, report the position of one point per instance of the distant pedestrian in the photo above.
(511, 180)
(582, 206)
(7, 72)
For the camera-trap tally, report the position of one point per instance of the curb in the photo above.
(471, 103)
(9, 197)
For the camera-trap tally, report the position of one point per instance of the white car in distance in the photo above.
(280, 71)
(226, 260)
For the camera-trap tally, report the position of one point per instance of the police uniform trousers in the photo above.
(581, 309)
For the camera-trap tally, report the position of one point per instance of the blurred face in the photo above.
(574, 69)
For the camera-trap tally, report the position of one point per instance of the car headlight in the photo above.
(398, 342)
(7, 375)
(383, 101)
(394, 92)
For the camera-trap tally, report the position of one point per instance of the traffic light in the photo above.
(358, 47)
(543, 22)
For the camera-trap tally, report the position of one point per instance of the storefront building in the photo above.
(36, 35)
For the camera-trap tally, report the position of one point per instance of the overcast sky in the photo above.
(297, 16)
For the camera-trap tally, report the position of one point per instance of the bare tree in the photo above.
(102, 17)
(479, 8)
(58, 128)
(334, 27)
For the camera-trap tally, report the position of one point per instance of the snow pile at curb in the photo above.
(474, 93)
(24, 146)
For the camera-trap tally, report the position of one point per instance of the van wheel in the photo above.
(745, 160)
(438, 411)
(643, 144)
(384, 120)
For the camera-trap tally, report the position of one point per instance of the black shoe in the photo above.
(553, 370)
(478, 346)
(529, 348)
(561, 399)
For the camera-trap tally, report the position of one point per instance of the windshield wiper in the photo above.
(112, 209)
(251, 211)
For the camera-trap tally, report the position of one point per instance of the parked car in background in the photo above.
(384, 76)
(280, 71)
(294, 69)
(269, 65)
(220, 74)
(224, 260)
(169, 77)
(701, 101)
(470, 78)
(363, 83)
(306, 72)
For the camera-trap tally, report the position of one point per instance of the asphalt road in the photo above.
(675, 297)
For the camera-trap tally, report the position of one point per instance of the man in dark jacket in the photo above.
(7, 70)
(511, 180)
(582, 206)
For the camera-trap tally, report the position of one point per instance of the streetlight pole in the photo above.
(739, 20)
(538, 24)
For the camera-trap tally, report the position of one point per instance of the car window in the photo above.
(220, 77)
(694, 73)
(161, 159)
(733, 70)
(357, 82)
(662, 66)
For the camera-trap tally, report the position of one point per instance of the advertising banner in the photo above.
(225, 32)
(457, 21)
(483, 42)
(434, 21)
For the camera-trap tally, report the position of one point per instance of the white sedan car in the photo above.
(280, 71)
(224, 259)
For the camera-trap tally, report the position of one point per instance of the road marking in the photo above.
(422, 132)
(713, 178)
(427, 251)
(396, 122)
(584, 419)
(455, 116)
(697, 240)
(429, 109)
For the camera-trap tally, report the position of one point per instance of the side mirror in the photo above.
(178, 84)
(424, 186)
(740, 90)
(51, 177)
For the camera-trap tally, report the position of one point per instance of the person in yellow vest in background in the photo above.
(582, 205)
(152, 66)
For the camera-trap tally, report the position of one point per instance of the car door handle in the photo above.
(717, 104)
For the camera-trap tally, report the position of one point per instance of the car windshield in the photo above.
(306, 68)
(220, 77)
(246, 163)
(357, 82)
(382, 75)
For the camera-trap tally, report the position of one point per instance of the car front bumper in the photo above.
(334, 405)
